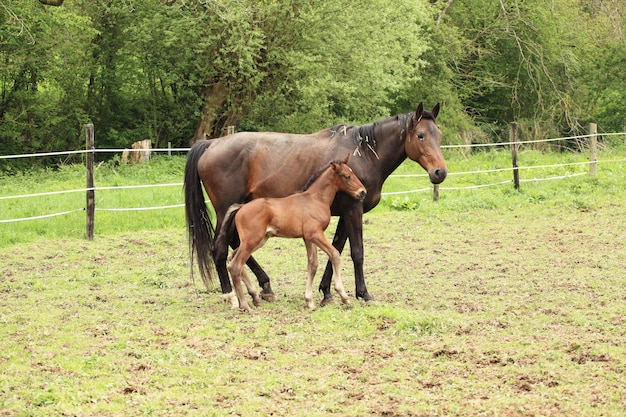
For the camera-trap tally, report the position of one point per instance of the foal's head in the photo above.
(346, 180)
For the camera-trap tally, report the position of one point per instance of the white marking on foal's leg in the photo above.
(231, 298)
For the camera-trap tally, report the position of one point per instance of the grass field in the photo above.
(491, 302)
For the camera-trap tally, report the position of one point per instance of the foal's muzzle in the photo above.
(361, 195)
(437, 175)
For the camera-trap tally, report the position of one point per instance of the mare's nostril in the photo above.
(438, 175)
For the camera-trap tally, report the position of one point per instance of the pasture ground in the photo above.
(509, 312)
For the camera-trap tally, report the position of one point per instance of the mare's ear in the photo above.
(418, 113)
(346, 159)
(436, 110)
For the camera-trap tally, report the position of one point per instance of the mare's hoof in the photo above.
(328, 299)
(366, 298)
(268, 296)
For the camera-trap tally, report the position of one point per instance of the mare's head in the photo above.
(423, 143)
(346, 180)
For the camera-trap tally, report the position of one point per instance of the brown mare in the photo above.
(248, 165)
(302, 215)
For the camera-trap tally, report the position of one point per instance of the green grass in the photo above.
(489, 302)
(489, 313)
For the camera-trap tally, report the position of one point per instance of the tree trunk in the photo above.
(213, 98)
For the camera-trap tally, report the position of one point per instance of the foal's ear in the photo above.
(346, 159)
(435, 110)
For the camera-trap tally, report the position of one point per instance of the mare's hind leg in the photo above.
(220, 259)
(311, 252)
(264, 281)
(335, 259)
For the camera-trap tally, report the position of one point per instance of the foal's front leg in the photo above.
(311, 252)
(334, 258)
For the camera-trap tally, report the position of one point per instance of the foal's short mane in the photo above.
(365, 136)
(318, 174)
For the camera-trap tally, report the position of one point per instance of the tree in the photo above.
(301, 65)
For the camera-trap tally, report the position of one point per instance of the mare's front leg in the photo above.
(339, 241)
(354, 229)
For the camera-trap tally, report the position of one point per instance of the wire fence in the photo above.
(170, 150)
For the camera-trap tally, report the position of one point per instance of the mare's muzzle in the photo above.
(437, 175)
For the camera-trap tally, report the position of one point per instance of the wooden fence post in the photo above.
(593, 149)
(514, 155)
(231, 130)
(436, 192)
(91, 200)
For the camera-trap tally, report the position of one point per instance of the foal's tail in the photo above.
(200, 228)
(228, 224)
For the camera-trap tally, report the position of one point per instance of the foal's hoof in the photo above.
(231, 298)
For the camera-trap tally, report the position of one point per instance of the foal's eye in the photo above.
(420, 136)
(347, 176)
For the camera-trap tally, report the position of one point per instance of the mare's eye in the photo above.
(420, 136)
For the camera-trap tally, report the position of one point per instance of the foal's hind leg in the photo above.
(249, 285)
(235, 267)
(335, 259)
(256, 300)
(311, 252)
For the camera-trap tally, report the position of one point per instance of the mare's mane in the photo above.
(318, 174)
(364, 136)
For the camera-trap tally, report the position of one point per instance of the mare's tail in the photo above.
(228, 224)
(200, 228)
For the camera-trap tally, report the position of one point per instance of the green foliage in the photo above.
(176, 70)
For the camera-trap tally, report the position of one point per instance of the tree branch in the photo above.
(52, 2)
(443, 12)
